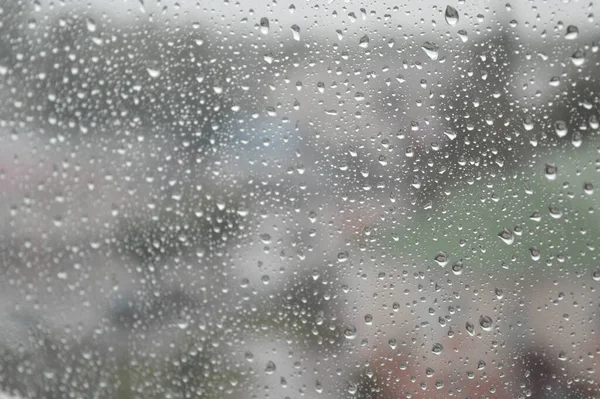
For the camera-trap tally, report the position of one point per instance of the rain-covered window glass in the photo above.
(299, 199)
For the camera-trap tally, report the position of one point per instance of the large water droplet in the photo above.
(451, 16)
(342, 256)
(535, 253)
(457, 268)
(264, 26)
(154, 73)
(550, 171)
(364, 41)
(270, 368)
(470, 328)
(437, 349)
(507, 236)
(578, 58)
(441, 258)
(572, 32)
(350, 332)
(431, 50)
(561, 128)
(296, 32)
(485, 322)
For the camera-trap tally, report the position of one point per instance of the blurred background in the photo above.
(337, 199)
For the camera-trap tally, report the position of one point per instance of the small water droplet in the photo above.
(437, 349)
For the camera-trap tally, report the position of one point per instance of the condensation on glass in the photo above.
(336, 199)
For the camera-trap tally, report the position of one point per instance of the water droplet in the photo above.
(352, 388)
(350, 332)
(450, 134)
(499, 293)
(562, 356)
(431, 50)
(462, 34)
(550, 171)
(364, 41)
(369, 319)
(154, 73)
(596, 275)
(561, 128)
(554, 212)
(265, 238)
(528, 123)
(90, 24)
(441, 258)
(264, 26)
(451, 15)
(296, 32)
(182, 324)
(578, 58)
(457, 268)
(470, 328)
(572, 32)
(577, 139)
(270, 368)
(318, 387)
(588, 188)
(437, 349)
(507, 236)
(485, 322)
(535, 253)
(554, 81)
(342, 256)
